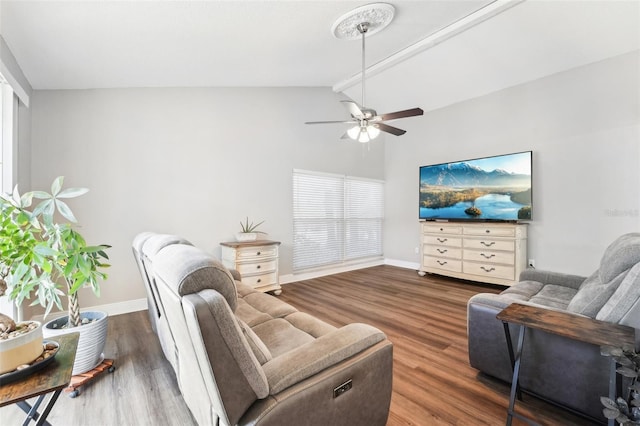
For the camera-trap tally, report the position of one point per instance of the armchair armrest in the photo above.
(326, 351)
(556, 278)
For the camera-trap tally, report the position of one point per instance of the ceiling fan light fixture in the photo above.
(363, 134)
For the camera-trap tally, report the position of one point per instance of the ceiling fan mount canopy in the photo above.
(376, 16)
(366, 123)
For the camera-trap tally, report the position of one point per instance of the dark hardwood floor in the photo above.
(424, 317)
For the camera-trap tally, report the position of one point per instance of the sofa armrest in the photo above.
(314, 357)
(235, 274)
(556, 278)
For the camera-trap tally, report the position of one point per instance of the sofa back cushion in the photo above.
(620, 256)
(593, 294)
(596, 290)
(623, 307)
(190, 270)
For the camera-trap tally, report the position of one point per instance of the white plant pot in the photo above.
(93, 337)
(246, 236)
(20, 350)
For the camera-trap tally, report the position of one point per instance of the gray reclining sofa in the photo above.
(245, 357)
(563, 371)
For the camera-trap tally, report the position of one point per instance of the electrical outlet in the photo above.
(417, 250)
(532, 263)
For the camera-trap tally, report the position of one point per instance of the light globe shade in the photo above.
(363, 134)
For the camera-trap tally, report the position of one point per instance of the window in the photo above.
(335, 219)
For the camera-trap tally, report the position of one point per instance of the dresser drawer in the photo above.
(488, 256)
(443, 263)
(494, 231)
(260, 280)
(256, 252)
(442, 251)
(256, 267)
(489, 270)
(442, 240)
(442, 229)
(489, 244)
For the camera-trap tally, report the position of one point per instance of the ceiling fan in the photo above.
(366, 122)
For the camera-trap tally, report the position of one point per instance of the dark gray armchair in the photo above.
(563, 371)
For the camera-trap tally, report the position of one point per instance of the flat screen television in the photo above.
(496, 188)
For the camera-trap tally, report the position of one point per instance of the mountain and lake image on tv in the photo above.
(491, 188)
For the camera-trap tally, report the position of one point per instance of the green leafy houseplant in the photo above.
(41, 254)
(625, 410)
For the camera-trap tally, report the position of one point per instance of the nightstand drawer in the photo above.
(256, 267)
(256, 252)
(260, 280)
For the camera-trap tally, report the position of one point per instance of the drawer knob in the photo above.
(441, 229)
(487, 256)
(258, 266)
(442, 240)
(487, 269)
(487, 231)
(442, 251)
(259, 280)
(442, 262)
(489, 244)
(258, 254)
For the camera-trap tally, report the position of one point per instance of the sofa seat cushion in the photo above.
(550, 295)
(249, 314)
(268, 304)
(309, 324)
(554, 296)
(280, 336)
(524, 290)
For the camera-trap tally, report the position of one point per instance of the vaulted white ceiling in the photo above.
(109, 44)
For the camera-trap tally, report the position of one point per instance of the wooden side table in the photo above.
(52, 379)
(256, 261)
(564, 324)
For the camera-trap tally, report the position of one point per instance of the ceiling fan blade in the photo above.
(402, 114)
(354, 109)
(331, 122)
(390, 129)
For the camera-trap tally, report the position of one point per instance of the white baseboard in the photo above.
(402, 264)
(290, 278)
(111, 309)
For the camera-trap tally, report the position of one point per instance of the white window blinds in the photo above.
(335, 218)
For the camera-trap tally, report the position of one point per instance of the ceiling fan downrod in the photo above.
(362, 28)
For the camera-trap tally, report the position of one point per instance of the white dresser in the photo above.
(256, 261)
(486, 252)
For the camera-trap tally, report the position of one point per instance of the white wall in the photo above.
(583, 126)
(193, 162)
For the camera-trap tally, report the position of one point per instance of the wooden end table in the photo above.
(52, 379)
(571, 326)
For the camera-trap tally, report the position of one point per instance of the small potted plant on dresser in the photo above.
(47, 256)
(248, 231)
